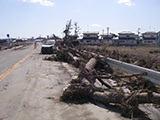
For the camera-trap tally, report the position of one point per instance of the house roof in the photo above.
(106, 34)
(110, 34)
(149, 33)
(126, 32)
(91, 33)
(80, 37)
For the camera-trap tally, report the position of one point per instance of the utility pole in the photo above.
(107, 30)
(138, 38)
(103, 31)
(158, 38)
(138, 32)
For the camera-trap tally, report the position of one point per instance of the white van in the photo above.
(48, 47)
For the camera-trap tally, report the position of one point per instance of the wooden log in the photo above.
(149, 98)
(76, 51)
(71, 57)
(87, 70)
(90, 67)
(129, 102)
(119, 97)
(91, 64)
(124, 76)
(141, 98)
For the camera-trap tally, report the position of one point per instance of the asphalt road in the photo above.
(32, 91)
(10, 57)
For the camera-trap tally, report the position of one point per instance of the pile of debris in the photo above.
(128, 90)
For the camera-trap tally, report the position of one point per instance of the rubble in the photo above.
(128, 90)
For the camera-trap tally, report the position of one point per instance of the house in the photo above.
(127, 38)
(90, 38)
(109, 38)
(124, 38)
(106, 37)
(114, 41)
(149, 38)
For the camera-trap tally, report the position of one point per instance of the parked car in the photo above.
(48, 47)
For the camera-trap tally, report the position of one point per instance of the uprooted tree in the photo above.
(92, 68)
(68, 29)
(76, 29)
(83, 87)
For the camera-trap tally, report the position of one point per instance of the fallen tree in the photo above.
(83, 87)
(93, 68)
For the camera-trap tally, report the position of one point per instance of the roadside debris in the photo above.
(128, 90)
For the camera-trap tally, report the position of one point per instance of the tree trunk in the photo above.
(84, 86)
(117, 97)
(91, 64)
(141, 98)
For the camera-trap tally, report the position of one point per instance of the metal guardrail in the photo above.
(152, 75)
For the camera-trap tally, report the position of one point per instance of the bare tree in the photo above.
(76, 28)
(68, 29)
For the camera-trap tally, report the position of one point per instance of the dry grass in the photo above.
(145, 56)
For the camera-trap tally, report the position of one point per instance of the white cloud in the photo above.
(126, 2)
(42, 2)
(96, 25)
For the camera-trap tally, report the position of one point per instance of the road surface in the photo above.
(32, 90)
(10, 57)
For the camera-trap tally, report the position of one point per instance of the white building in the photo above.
(127, 38)
(90, 38)
(149, 38)
(107, 37)
(114, 41)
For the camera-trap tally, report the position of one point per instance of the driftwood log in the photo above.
(83, 87)
(104, 97)
(118, 76)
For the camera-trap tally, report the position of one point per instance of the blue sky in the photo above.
(27, 18)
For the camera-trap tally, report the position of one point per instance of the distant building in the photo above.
(90, 35)
(127, 38)
(19, 40)
(107, 36)
(149, 35)
(90, 38)
(124, 38)
(149, 38)
(2, 41)
(114, 41)
(127, 35)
